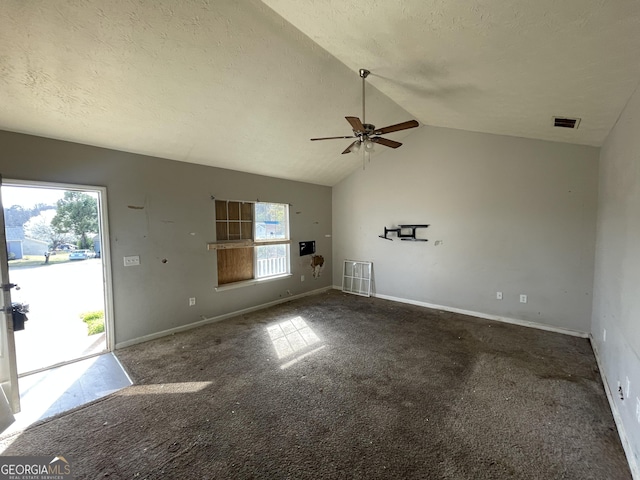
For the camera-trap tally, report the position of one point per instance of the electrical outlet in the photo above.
(498, 295)
(523, 298)
(192, 301)
(302, 278)
(131, 261)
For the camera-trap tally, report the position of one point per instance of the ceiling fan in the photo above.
(367, 134)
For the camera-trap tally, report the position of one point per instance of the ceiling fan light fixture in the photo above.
(369, 145)
(355, 148)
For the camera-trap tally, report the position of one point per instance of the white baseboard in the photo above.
(626, 446)
(486, 316)
(218, 318)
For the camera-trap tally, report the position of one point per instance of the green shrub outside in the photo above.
(94, 321)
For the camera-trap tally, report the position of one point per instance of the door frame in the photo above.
(9, 386)
(105, 246)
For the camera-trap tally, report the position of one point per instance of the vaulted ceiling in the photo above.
(245, 84)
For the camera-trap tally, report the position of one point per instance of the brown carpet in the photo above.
(385, 390)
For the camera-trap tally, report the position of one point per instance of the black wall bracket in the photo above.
(403, 234)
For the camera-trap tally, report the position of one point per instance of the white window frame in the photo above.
(276, 241)
(356, 277)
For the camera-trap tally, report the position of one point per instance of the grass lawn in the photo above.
(32, 260)
(94, 321)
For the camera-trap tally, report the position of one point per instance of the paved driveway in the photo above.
(57, 294)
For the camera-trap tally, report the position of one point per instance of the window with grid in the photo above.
(252, 240)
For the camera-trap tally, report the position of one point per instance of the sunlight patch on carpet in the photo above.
(291, 336)
(162, 388)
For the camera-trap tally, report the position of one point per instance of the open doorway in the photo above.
(58, 258)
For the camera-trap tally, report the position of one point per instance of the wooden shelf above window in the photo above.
(242, 244)
(228, 245)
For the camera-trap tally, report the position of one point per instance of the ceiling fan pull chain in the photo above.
(364, 118)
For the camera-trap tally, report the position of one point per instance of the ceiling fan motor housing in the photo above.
(368, 131)
(369, 128)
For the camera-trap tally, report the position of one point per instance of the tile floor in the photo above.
(59, 389)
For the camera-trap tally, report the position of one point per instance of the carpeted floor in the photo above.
(364, 389)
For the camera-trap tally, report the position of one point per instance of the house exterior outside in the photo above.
(19, 245)
(15, 237)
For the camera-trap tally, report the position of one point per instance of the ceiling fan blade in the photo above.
(348, 149)
(332, 138)
(356, 124)
(396, 127)
(386, 142)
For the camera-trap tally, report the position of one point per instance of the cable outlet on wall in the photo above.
(498, 295)
(192, 301)
(523, 298)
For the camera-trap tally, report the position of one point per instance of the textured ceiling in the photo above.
(245, 84)
(489, 66)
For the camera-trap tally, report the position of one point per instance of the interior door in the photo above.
(10, 394)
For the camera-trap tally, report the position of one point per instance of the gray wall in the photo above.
(177, 202)
(513, 215)
(31, 246)
(616, 305)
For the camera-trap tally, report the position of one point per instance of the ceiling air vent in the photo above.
(566, 122)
